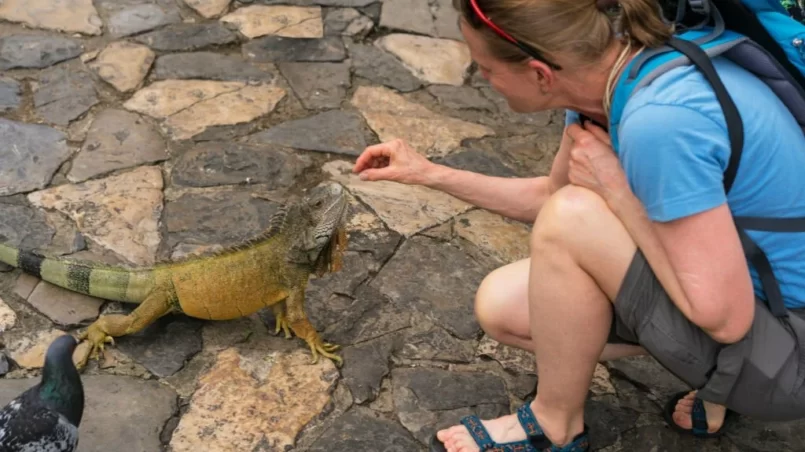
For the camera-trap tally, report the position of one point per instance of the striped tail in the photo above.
(105, 282)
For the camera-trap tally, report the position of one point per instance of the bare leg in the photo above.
(579, 255)
(501, 307)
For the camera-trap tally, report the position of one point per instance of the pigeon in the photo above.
(45, 418)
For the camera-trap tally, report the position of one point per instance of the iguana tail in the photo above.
(89, 278)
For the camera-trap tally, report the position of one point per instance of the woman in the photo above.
(627, 249)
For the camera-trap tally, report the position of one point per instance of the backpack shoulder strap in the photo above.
(653, 63)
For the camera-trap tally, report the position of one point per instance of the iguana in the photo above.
(302, 238)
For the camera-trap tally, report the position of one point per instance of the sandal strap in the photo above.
(538, 439)
(529, 422)
(479, 433)
(484, 441)
(699, 417)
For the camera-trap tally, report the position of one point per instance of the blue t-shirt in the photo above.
(674, 150)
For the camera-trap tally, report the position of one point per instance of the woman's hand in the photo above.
(394, 161)
(593, 164)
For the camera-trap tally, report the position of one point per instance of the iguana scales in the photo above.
(303, 238)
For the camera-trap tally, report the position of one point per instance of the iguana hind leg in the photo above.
(301, 326)
(107, 327)
(281, 320)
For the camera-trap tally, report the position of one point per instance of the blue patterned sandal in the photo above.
(536, 441)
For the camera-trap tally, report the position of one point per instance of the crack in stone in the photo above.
(286, 27)
(240, 88)
(384, 335)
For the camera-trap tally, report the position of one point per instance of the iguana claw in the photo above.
(283, 324)
(317, 347)
(97, 339)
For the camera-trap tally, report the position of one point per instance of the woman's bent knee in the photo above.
(501, 301)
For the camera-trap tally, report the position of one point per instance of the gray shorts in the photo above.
(760, 376)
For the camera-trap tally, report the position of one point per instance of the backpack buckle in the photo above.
(700, 6)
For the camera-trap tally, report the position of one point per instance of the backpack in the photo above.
(758, 35)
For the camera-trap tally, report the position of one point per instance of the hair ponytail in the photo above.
(642, 21)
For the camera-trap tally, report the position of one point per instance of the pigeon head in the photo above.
(61, 387)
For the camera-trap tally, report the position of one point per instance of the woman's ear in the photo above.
(543, 75)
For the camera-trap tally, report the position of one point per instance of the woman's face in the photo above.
(523, 85)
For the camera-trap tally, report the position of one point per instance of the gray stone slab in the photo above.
(222, 163)
(207, 66)
(24, 227)
(127, 20)
(335, 131)
(64, 94)
(36, 52)
(428, 399)
(10, 94)
(185, 37)
(645, 370)
(365, 365)
(381, 67)
(362, 430)
(62, 306)
(220, 217)
(270, 49)
(436, 344)
(461, 97)
(164, 346)
(444, 296)
(318, 85)
(477, 161)
(337, 20)
(445, 17)
(372, 315)
(30, 155)
(117, 139)
(656, 437)
(607, 422)
(411, 16)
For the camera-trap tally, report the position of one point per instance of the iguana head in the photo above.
(321, 238)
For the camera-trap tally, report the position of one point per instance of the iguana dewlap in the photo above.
(303, 238)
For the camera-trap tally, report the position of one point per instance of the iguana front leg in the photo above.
(301, 326)
(106, 327)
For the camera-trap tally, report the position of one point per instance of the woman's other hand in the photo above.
(394, 161)
(593, 164)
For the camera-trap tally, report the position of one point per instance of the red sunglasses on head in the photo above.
(525, 48)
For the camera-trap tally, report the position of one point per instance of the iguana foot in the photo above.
(97, 339)
(305, 330)
(283, 324)
(319, 347)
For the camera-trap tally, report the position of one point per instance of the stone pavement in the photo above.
(138, 130)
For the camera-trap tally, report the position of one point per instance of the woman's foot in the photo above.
(684, 409)
(505, 429)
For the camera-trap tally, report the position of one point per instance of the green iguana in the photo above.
(303, 238)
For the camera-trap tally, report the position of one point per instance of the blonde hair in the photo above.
(576, 30)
